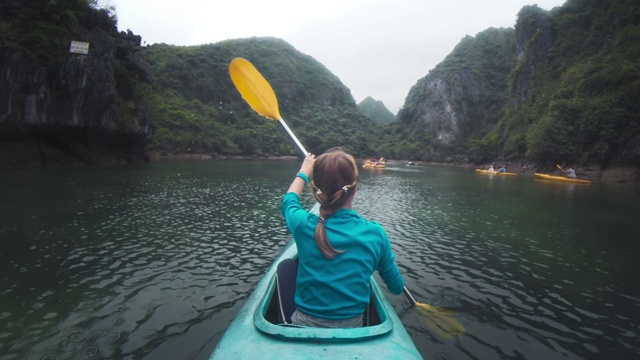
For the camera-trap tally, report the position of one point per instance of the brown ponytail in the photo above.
(335, 176)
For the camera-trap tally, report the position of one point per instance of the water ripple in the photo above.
(147, 262)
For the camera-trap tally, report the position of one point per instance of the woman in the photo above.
(338, 251)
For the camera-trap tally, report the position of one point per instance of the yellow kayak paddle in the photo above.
(257, 92)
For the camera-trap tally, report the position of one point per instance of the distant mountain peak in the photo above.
(376, 111)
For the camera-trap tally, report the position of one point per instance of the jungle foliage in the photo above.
(196, 108)
(563, 86)
(43, 29)
(584, 100)
(470, 88)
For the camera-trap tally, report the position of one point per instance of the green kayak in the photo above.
(256, 333)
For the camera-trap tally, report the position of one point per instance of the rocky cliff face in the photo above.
(85, 109)
(574, 92)
(535, 36)
(464, 94)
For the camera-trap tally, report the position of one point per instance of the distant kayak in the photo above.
(561, 178)
(487, 172)
(378, 166)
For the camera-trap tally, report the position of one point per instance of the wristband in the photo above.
(304, 177)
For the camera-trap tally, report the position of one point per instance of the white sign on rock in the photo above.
(79, 47)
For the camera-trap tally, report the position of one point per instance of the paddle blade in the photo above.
(559, 167)
(254, 88)
(440, 320)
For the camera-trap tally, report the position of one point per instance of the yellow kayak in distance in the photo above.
(372, 164)
(561, 178)
(487, 172)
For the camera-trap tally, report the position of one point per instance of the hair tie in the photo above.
(318, 191)
(347, 187)
(321, 220)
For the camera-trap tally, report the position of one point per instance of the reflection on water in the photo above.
(537, 270)
(113, 263)
(154, 261)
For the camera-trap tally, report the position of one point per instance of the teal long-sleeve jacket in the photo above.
(338, 288)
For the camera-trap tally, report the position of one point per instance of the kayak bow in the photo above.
(256, 333)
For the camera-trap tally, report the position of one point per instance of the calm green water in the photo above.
(154, 261)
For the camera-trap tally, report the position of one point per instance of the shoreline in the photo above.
(616, 175)
(170, 157)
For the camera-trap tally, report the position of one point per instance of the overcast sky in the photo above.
(377, 48)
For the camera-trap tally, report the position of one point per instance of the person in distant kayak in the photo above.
(338, 250)
(571, 173)
(491, 168)
(503, 169)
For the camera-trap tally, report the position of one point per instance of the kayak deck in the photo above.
(487, 172)
(255, 332)
(561, 178)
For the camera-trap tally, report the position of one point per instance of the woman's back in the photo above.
(338, 251)
(338, 288)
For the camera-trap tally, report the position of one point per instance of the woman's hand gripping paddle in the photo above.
(438, 319)
(257, 92)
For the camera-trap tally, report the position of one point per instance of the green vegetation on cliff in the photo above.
(580, 103)
(196, 108)
(563, 86)
(457, 102)
(61, 107)
(43, 29)
(586, 93)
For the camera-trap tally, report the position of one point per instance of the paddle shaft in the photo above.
(560, 167)
(293, 136)
(409, 296)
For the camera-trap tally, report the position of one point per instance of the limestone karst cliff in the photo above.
(62, 107)
(460, 98)
(562, 87)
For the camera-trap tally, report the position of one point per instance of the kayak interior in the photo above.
(256, 332)
(267, 321)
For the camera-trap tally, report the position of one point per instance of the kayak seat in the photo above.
(286, 274)
(285, 289)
